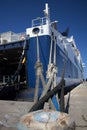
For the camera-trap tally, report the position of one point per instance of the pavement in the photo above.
(10, 113)
(75, 102)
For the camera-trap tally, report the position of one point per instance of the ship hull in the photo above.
(72, 74)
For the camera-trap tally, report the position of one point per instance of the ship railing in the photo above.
(10, 37)
(39, 21)
(5, 78)
(18, 37)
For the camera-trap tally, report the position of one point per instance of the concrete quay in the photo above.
(10, 113)
(75, 102)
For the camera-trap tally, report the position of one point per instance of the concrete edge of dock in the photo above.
(75, 102)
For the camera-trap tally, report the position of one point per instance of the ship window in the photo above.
(52, 34)
(69, 76)
(36, 30)
(75, 60)
(55, 38)
(41, 30)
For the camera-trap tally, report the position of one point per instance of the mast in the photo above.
(46, 12)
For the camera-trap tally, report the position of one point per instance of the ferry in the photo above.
(54, 49)
(41, 50)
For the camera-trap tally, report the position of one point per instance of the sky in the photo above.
(16, 16)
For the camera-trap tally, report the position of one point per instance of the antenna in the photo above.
(46, 10)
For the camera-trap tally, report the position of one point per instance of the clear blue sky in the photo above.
(16, 16)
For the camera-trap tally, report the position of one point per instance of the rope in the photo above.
(38, 105)
(62, 102)
(38, 53)
(46, 94)
(50, 58)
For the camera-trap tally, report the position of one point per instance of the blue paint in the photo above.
(46, 116)
(44, 45)
(56, 104)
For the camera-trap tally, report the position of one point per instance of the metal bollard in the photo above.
(46, 120)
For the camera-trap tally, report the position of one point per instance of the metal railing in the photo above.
(4, 78)
(9, 37)
(39, 21)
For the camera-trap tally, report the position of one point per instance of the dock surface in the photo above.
(76, 106)
(10, 113)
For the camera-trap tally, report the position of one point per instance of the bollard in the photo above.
(46, 120)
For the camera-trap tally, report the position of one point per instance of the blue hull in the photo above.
(32, 58)
(71, 71)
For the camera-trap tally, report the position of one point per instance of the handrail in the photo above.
(39, 21)
(10, 37)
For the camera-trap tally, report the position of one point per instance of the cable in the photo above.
(38, 105)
